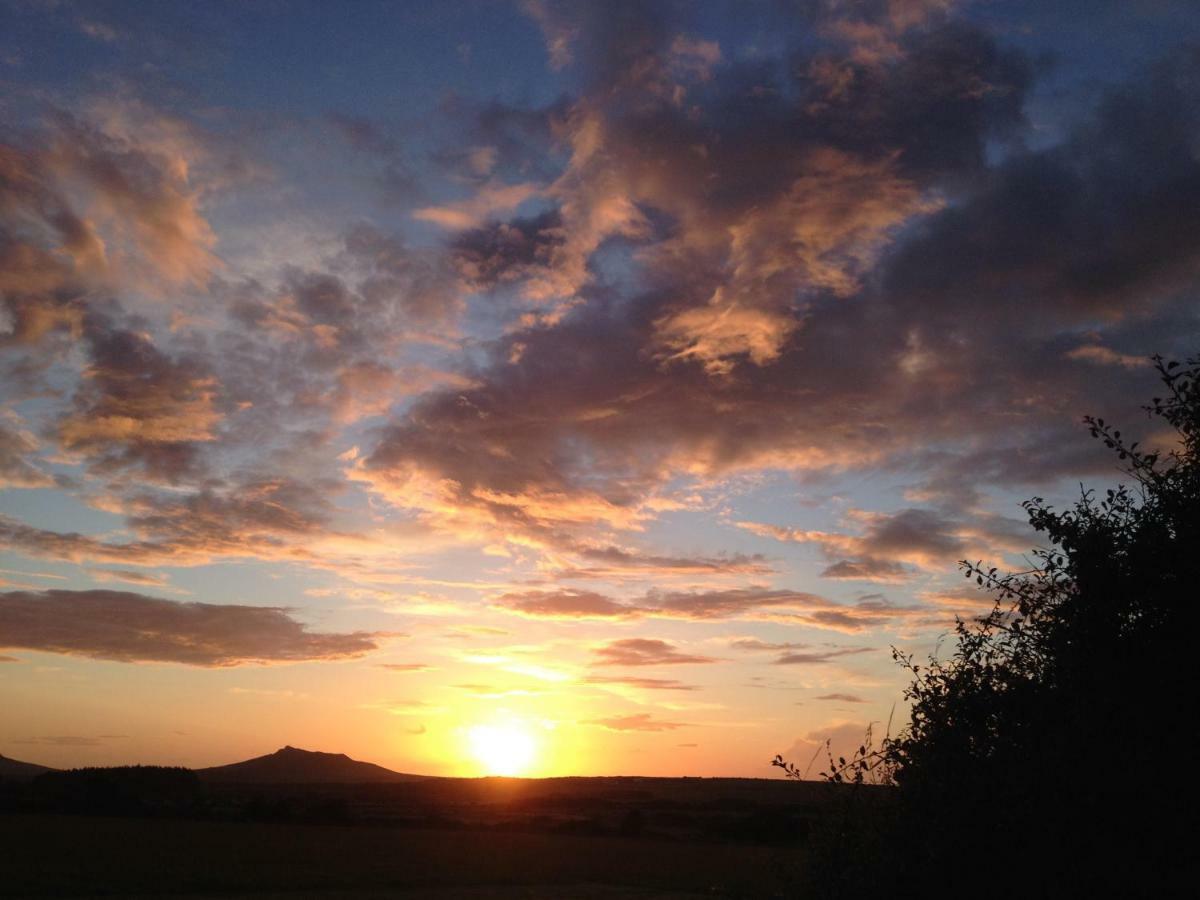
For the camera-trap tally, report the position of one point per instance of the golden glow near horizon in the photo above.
(503, 749)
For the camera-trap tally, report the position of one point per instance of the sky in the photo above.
(556, 388)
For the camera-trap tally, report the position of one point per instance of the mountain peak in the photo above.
(300, 752)
(293, 765)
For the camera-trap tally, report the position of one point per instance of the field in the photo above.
(440, 838)
(77, 856)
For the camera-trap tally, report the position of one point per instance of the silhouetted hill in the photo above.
(294, 766)
(15, 770)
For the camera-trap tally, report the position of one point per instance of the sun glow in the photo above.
(506, 749)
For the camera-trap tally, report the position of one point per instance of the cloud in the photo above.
(843, 698)
(695, 264)
(755, 644)
(506, 252)
(882, 570)
(265, 518)
(70, 740)
(796, 607)
(114, 197)
(736, 345)
(558, 31)
(1105, 356)
(405, 667)
(490, 199)
(614, 562)
(794, 654)
(396, 280)
(637, 722)
(576, 604)
(565, 604)
(70, 545)
(819, 234)
(149, 579)
(644, 652)
(819, 656)
(891, 543)
(128, 627)
(730, 603)
(17, 448)
(650, 684)
(136, 406)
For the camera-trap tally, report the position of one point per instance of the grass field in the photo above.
(84, 856)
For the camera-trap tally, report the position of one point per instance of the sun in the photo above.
(502, 749)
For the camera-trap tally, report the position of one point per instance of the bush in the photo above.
(1047, 756)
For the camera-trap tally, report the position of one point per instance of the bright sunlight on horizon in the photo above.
(504, 749)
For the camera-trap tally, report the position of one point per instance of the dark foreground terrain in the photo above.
(149, 832)
(89, 856)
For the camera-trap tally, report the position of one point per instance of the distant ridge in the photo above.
(292, 765)
(20, 771)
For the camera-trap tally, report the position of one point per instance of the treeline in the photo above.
(167, 791)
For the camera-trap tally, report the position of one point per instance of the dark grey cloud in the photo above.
(129, 627)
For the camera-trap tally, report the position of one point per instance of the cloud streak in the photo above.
(129, 627)
(645, 652)
(636, 722)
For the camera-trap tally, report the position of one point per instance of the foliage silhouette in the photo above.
(1047, 756)
(120, 790)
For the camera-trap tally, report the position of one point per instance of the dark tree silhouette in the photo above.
(1049, 754)
(119, 790)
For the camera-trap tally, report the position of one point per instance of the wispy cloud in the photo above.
(637, 722)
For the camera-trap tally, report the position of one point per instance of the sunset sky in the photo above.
(611, 383)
